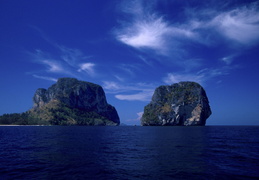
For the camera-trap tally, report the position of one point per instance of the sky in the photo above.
(131, 47)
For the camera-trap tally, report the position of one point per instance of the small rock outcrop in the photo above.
(180, 104)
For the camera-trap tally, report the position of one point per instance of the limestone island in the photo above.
(67, 102)
(180, 104)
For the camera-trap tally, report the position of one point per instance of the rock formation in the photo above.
(181, 104)
(69, 102)
(85, 98)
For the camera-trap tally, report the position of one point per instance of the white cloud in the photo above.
(200, 77)
(88, 68)
(209, 73)
(146, 29)
(113, 86)
(175, 78)
(145, 34)
(71, 56)
(145, 60)
(45, 78)
(119, 78)
(119, 87)
(53, 66)
(130, 69)
(129, 92)
(229, 59)
(240, 24)
(139, 116)
(64, 60)
(141, 96)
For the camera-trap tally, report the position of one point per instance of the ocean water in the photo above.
(128, 152)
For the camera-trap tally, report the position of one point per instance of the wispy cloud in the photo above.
(175, 78)
(145, 60)
(119, 78)
(113, 87)
(61, 60)
(229, 59)
(129, 69)
(240, 24)
(202, 76)
(53, 66)
(139, 116)
(71, 56)
(88, 68)
(45, 78)
(145, 33)
(130, 92)
(66, 61)
(141, 96)
(234, 28)
(147, 29)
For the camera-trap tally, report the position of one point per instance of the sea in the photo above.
(129, 152)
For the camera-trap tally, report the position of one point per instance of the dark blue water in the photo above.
(62, 152)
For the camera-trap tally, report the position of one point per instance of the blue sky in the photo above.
(131, 47)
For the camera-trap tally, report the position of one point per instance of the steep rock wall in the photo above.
(181, 104)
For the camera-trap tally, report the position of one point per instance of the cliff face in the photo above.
(74, 102)
(181, 104)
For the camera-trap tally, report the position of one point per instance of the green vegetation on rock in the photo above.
(68, 102)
